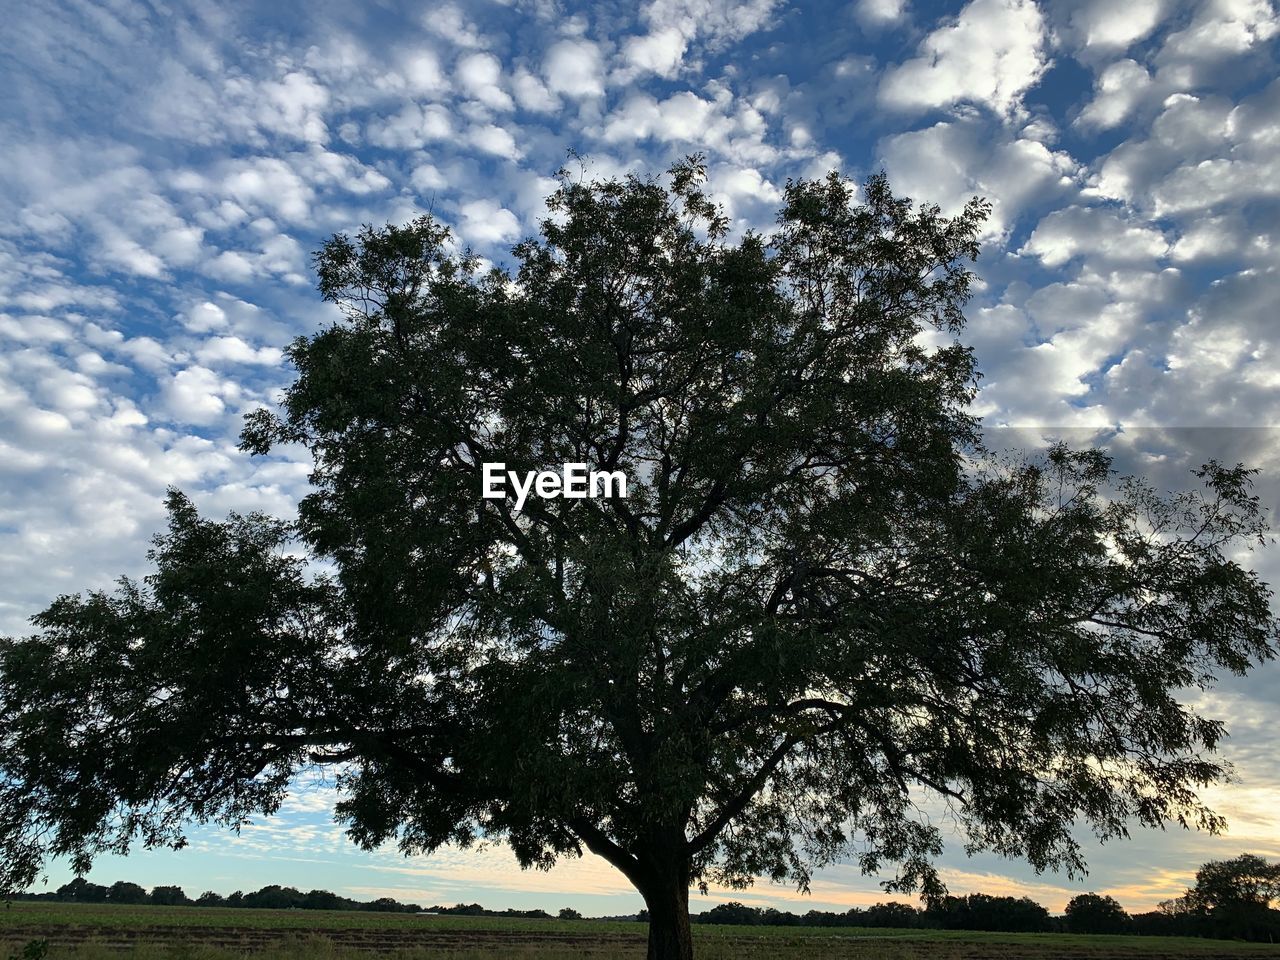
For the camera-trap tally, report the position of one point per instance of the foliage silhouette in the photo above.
(1095, 913)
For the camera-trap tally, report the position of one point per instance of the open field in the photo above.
(91, 931)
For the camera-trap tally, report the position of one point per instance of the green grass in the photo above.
(108, 932)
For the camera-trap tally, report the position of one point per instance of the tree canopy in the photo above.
(821, 602)
(1230, 898)
(1244, 881)
(1096, 913)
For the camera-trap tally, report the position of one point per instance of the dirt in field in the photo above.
(250, 937)
(596, 944)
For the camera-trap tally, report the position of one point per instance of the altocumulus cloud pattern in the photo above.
(165, 170)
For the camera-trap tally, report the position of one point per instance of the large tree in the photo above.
(1246, 881)
(820, 604)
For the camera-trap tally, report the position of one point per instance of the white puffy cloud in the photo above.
(224, 315)
(411, 127)
(268, 183)
(1188, 130)
(426, 176)
(952, 161)
(677, 26)
(1203, 153)
(531, 93)
(574, 68)
(205, 317)
(878, 13)
(196, 395)
(1219, 364)
(682, 116)
(660, 51)
(206, 103)
(734, 129)
(721, 22)
(1120, 88)
(123, 218)
(1220, 31)
(1100, 235)
(231, 266)
(1106, 27)
(480, 76)
(488, 222)
(1041, 359)
(233, 350)
(1213, 238)
(990, 54)
(447, 20)
(747, 196)
(491, 138)
(1213, 183)
(422, 73)
(294, 105)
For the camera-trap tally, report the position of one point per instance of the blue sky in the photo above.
(166, 169)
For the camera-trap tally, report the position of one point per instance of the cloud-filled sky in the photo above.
(166, 168)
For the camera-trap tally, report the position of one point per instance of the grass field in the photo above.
(92, 931)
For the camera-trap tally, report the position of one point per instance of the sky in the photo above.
(167, 168)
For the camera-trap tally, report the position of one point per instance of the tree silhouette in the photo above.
(1233, 897)
(122, 891)
(1096, 913)
(1246, 881)
(821, 600)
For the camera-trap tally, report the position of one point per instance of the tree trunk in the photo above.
(669, 935)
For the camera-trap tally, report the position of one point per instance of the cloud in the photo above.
(531, 93)
(1206, 239)
(720, 22)
(1102, 27)
(952, 161)
(1119, 90)
(269, 184)
(100, 199)
(1220, 32)
(294, 106)
(574, 68)
(197, 396)
(660, 52)
(681, 117)
(1100, 235)
(1203, 154)
(990, 54)
(422, 73)
(493, 139)
(676, 26)
(721, 122)
(449, 22)
(233, 350)
(480, 75)
(880, 13)
(487, 222)
(1187, 131)
(413, 126)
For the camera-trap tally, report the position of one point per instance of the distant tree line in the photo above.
(271, 897)
(977, 911)
(1231, 899)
